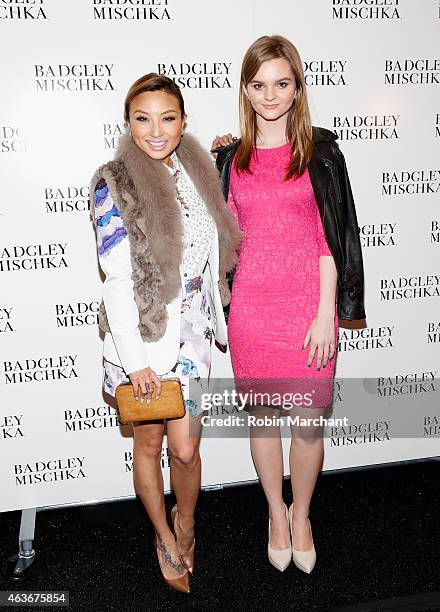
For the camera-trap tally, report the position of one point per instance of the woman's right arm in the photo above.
(118, 293)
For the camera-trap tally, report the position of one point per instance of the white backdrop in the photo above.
(373, 70)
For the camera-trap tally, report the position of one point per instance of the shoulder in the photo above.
(104, 185)
(325, 143)
(103, 193)
(320, 134)
(106, 213)
(224, 153)
(230, 148)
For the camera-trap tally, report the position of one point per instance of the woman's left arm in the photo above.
(321, 333)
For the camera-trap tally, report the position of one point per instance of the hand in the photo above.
(321, 336)
(222, 141)
(143, 382)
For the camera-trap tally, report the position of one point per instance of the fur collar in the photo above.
(157, 213)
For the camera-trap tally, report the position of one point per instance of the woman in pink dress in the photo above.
(299, 270)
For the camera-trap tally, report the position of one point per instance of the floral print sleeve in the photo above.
(110, 229)
(118, 293)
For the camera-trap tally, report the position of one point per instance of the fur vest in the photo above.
(145, 193)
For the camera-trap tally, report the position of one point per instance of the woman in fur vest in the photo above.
(165, 236)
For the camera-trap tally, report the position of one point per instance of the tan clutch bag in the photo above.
(169, 405)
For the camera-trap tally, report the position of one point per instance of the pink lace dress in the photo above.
(275, 294)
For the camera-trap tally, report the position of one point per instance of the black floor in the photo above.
(376, 531)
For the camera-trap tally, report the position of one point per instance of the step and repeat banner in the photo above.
(373, 72)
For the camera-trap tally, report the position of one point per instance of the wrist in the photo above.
(326, 311)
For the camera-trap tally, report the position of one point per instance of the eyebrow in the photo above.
(277, 81)
(170, 110)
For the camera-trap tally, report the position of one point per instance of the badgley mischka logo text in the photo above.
(43, 369)
(338, 390)
(198, 75)
(49, 470)
(410, 287)
(164, 459)
(365, 9)
(435, 231)
(88, 419)
(6, 321)
(412, 72)
(325, 72)
(152, 10)
(437, 125)
(433, 332)
(77, 315)
(112, 134)
(74, 77)
(377, 234)
(66, 199)
(406, 384)
(410, 182)
(366, 127)
(11, 140)
(366, 339)
(11, 426)
(431, 426)
(22, 9)
(360, 433)
(33, 257)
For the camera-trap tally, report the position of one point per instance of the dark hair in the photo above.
(153, 82)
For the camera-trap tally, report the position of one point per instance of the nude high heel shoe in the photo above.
(303, 559)
(187, 558)
(279, 558)
(181, 584)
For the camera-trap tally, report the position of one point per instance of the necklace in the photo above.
(179, 196)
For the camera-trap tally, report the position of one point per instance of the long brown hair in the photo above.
(299, 126)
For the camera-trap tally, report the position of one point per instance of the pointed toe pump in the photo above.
(303, 559)
(180, 584)
(279, 558)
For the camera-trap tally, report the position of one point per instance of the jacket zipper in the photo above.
(329, 164)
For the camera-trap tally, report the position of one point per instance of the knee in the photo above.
(307, 436)
(151, 448)
(187, 454)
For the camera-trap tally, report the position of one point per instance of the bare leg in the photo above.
(267, 454)
(185, 471)
(149, 486)
(306, 455)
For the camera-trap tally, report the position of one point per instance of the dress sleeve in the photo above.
(118, 294)
(231, 202)
(320, 235)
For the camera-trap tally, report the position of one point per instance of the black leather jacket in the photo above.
(331, 185)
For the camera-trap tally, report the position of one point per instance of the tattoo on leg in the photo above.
(176, 565)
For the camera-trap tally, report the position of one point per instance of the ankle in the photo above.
(300, 514)
(185, 523)
(277, 511)
(165, 536)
